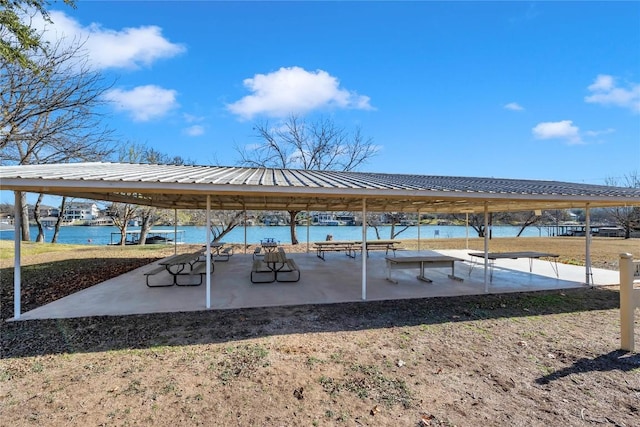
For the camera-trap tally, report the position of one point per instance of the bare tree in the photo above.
(627, 217)
(149, 216)
(393, 219)
(122, 214)
(374, 221)
(50, 115)
(141, 153)
(521, 219)
(225, 222)
(56, 229)
(18, 40)
(36, 216)
(476, 221)
(298, 143)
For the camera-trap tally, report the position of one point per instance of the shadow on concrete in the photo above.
(105, 333)
(49, 281)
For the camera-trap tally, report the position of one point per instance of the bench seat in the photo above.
(199, 270)
(153, 272)
(350, 250)
(290, 271)
(224, 254)
(382, 247)
(260, 273)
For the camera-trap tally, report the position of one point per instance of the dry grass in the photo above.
(544, 358)
(604, 251)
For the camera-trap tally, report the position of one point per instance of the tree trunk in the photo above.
(36, 217)
(219, 234)
(125, 213)
(23, 211)
(227, 226)
(375, 228)
(56, 230)
(393, 233)
(292, 226)
(123, 234)
(145, 226)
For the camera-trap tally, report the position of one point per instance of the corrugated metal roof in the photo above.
(263, 188)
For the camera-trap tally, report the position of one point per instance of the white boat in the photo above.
(326, 219)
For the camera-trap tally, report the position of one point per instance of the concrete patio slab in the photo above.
(338, 279)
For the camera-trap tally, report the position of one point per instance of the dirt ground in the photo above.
(529, 359)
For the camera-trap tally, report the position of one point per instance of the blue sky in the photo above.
(535, 90)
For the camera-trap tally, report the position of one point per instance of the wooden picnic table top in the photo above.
(181, 259)
(275, 257)
(356, 242)
(336, 243)
(382, 242)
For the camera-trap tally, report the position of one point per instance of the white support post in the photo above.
(629, 299)
(419, 246)
(466, 230)
(587, 256)
(245, 231)
(175, 231)
(486, 247)
(208, 252)
(308, 228)
(364, 249)
(17, 237)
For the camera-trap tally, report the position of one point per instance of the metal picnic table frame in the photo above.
(493, 256)
(429, 261)
(176, 265)
(349, 247)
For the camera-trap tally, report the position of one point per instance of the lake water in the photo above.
(102, 235)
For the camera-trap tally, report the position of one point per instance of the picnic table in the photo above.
(216, 247)
(276, 262)
(269, 244)
(422, 262)
(493, 256)
(385, 245)
(219, 252)
(176, 266)
(349, 247)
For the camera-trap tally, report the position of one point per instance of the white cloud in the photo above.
(143, 103)
(129, 48)
(195, 130)
(594, 133)
(563, 129)
(295, 90)
(602, 83)
(606, 91)
(190, 118)
(513, 106)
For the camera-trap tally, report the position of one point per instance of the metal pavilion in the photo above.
(239, 188)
